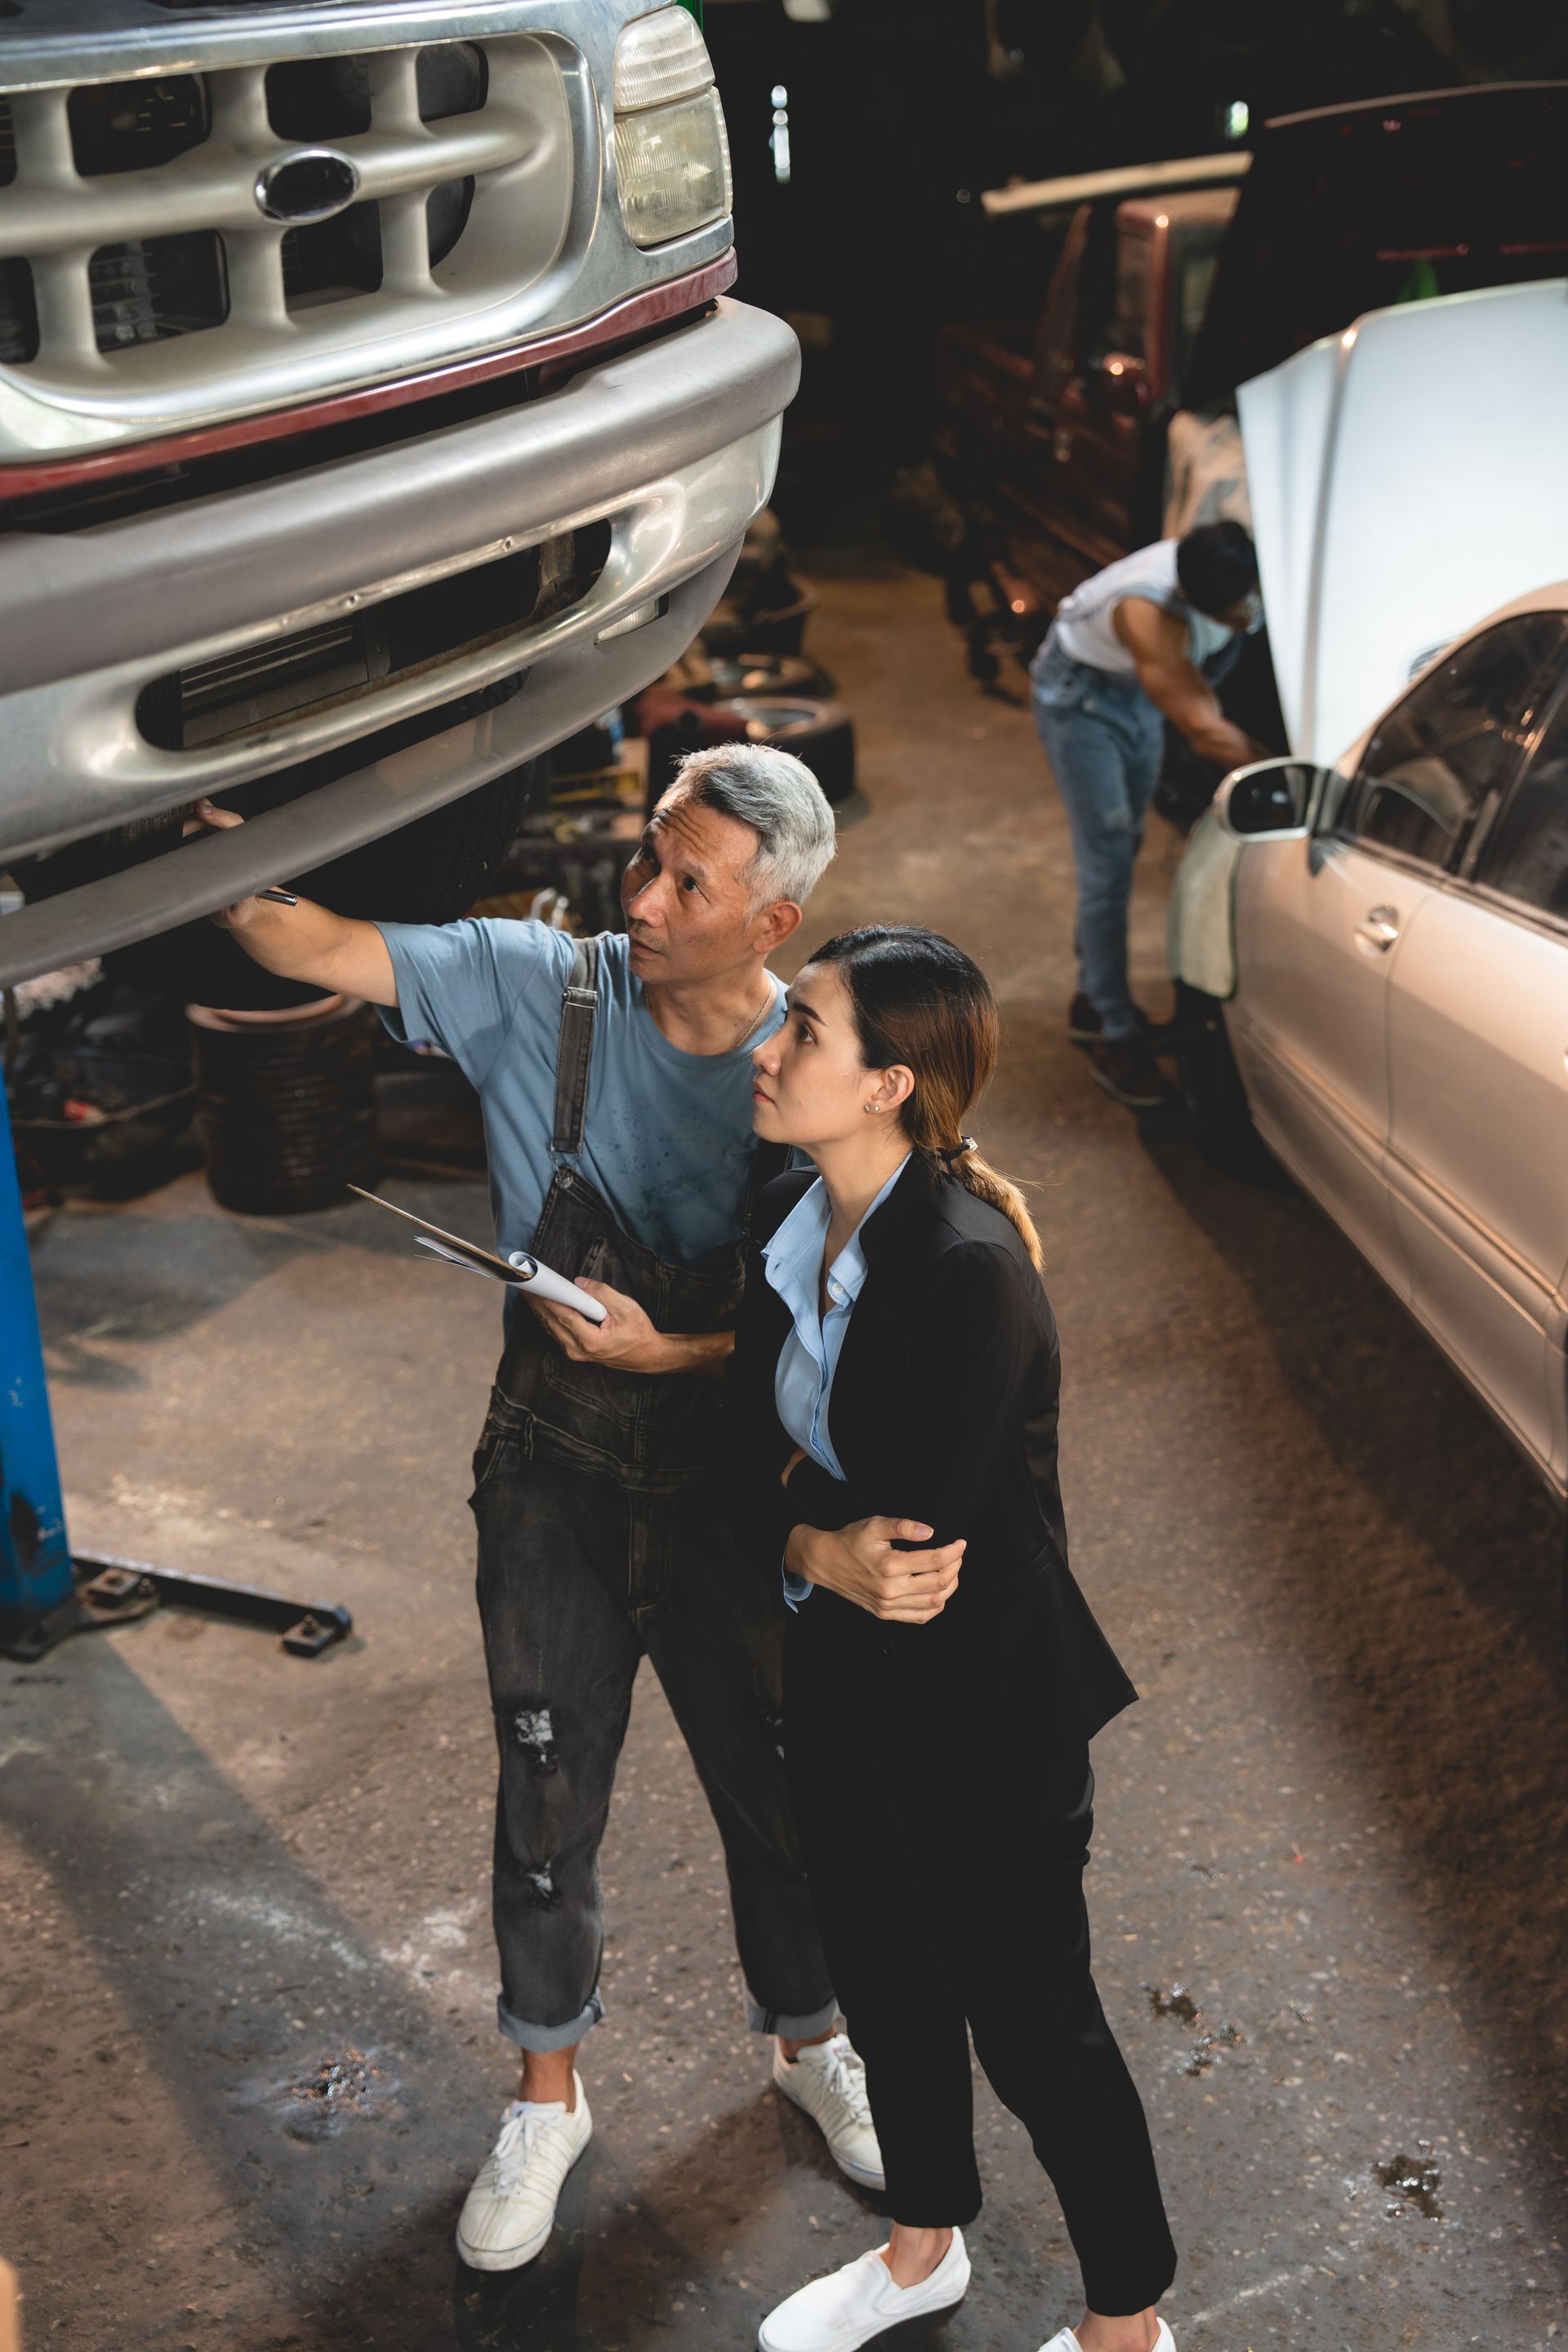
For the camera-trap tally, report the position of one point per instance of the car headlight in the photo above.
(672, 158)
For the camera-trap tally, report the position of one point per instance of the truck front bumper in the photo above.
(673, 446)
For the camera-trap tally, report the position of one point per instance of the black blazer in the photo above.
(944, 1408)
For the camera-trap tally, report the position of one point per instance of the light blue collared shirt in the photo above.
(802, 1385)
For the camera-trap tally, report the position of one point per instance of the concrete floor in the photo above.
(1335, 1824)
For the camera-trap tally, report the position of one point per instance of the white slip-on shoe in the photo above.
(510, 2211)
(845, 2310)
(1068, 2342)
(827, 2083)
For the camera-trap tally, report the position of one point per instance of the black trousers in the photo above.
(578, 1581)
(946, 1845)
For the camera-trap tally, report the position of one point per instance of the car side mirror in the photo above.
(1121, 379)
(1271, 796)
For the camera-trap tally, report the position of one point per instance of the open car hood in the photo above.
(1405, 477)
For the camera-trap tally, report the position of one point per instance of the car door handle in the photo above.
(1381, 927)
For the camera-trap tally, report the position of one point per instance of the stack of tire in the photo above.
(286, 1104)
(749, 680)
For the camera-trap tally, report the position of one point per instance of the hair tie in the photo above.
(956, 1150)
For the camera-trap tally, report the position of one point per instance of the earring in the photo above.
(873, 1105)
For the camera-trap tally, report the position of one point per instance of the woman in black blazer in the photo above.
(891, 1459)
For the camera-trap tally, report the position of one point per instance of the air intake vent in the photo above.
(264, 681)
(454, 78)
(319, 97)
(154, 287)
(19, 314)
(276, 678)
(333, 257)
(447, 211)
(7, 144)
(134, 126)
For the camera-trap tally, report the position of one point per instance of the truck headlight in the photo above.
(672, 158)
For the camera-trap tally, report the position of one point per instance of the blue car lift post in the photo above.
(45, 1592)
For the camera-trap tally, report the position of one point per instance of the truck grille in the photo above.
(131, 221)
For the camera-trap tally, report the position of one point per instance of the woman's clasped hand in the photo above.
(863, 1563)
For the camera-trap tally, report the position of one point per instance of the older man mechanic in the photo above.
(1143, 640)
(614, 1076)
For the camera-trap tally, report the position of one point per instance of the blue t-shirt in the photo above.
(668, 1140)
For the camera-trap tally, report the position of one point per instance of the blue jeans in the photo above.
(1104, 740)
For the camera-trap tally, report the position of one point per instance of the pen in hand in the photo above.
(279, 898)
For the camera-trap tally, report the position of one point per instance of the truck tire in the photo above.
(1211, 1088)
(820, 733)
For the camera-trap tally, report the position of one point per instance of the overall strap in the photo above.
(769, 1160)
(575, 1048)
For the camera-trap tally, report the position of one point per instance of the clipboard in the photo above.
(519, 1271)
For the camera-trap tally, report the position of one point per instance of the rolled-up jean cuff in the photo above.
(548, 2037)
(793, 2029)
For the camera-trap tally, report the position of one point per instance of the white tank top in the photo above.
(1084, 628)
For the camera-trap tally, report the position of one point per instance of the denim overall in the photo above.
(599, 1543)
(649, 1434)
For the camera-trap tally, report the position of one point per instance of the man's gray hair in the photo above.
(779, 798)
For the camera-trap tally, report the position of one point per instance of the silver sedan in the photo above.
(1373, 963)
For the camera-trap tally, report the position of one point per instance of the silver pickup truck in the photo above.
(373, 415)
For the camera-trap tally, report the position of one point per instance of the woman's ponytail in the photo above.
(988, 1183)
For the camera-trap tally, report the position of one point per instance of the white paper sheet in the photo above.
(521, 1271)
(543, 1283)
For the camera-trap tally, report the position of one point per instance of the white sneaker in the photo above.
(827, 2083)
(510, 2211)
(1068, 2342)
(847, 2309)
